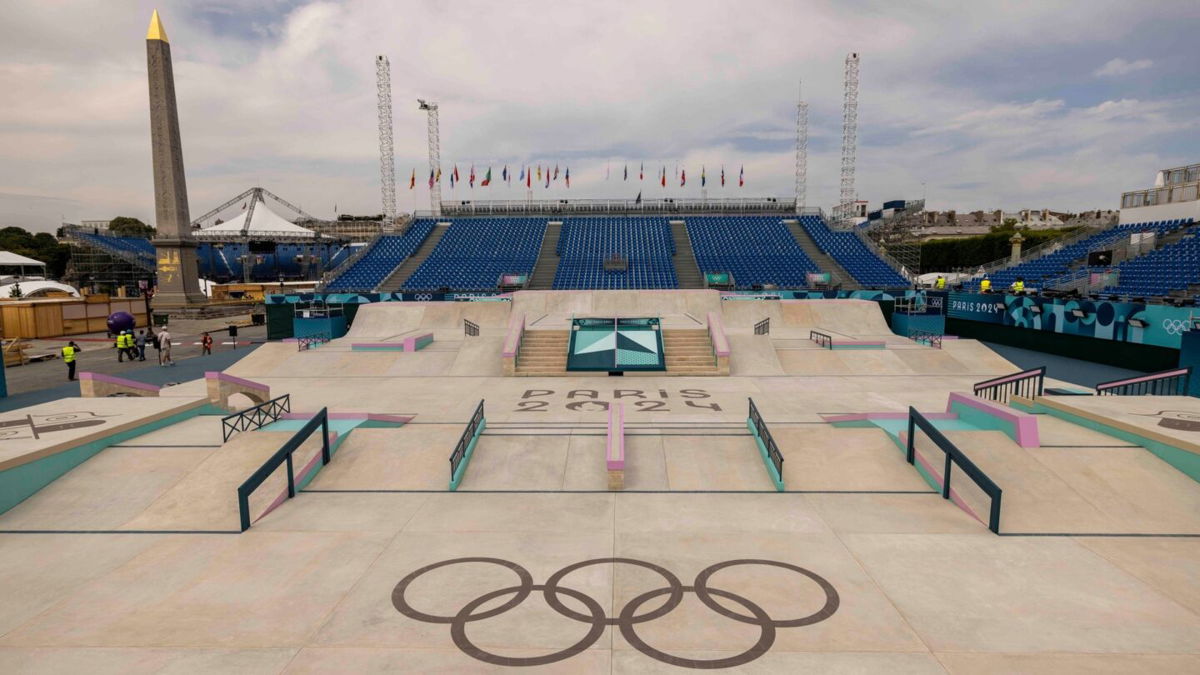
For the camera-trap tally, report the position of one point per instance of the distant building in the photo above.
(1174, 195)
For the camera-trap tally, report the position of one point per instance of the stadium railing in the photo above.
(1027, 383)
(470, 328)
(283, 456)
(466, 446)
(1172, 382)
(255, 417)
(934, 339)
(954, 456)
(766, 444)
(763, 327)
(309, 341)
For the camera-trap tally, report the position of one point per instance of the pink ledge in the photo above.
(615, 446)
(1025, 426)
(224, 377)
(716, 331)
(1152, 376)
(512, 341)
(132, 384)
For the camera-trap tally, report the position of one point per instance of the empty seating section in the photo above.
(754, 249)
(223, 261)
(142, 248)
(1171, 268)
(645, 245)
(475, 251)
(853, 255)
(388, 252)
(1055, 264)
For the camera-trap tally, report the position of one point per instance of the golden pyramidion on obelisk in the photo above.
(156, 30)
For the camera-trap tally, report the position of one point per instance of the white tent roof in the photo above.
(9, 258)
(265, 221)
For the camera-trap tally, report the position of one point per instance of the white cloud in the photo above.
(1119, 66)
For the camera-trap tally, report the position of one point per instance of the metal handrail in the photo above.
(255, 417)
(1172, 382)
(821, 339)
(309, 341)
(760, 428)
(918, 335)
(954, 456)
(470, 328)
(283, 456)
(763, 327)
(1027, 383)
(461, 449)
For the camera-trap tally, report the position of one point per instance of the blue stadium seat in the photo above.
(388, 252)
(754, 249)
(852, 254)
(645, 244)
(475, 251)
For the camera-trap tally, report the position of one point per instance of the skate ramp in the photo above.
(751, 355)
(553, 309)
(412, 457)
(392, 321)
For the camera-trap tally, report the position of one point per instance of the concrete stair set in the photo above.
(396, 279)
(542, 278)
(688, 352)
(686, 269)
(837, 273)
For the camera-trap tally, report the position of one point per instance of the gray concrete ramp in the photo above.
(412, 457)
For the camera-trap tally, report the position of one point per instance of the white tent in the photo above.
(9, 258)
(265, 223)
(36, 288)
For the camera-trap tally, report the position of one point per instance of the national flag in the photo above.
(452, 181)
(683, 178)
(522, 176)
(539, 173)
(567, 177)
(456, 177)
(431, 179)
(412, 181)
(504, 173)
(722, 175)
(439, 174)
(471, 179)
(742, 176)
(555, 172)
(664, 176)
(547, 176)
(639, 198)
(642, 171)
(626, 172)
(703, 179)
(528, 177)
(487, 180)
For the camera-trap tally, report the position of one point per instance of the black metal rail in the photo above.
(760, 427)
(820, 338)
(1027, 383)
(933, 339)
(470, 328)
(954, 456)
(464, 443)
(1172, 382)
(763, 327)
(283, 456)
(309, 341)
(256, 417)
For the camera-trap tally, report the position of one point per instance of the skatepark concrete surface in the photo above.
(133, 561)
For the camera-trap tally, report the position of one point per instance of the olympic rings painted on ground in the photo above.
(626, 620)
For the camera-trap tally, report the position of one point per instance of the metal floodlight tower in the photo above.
(387, 161)
(849, 137)
(435, 155)
(801, 152)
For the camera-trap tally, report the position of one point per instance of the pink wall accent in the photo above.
(132, 384)
(410, 343)
(716, 331)
(615, 444)
(217, 375)
(512, 341)
(1025, 426)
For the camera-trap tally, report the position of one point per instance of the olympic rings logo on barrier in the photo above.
(1175, 326)
(626, 620)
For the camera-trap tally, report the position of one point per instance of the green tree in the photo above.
(124, 226)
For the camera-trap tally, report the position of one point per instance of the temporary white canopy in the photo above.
(264, 223)
(10, 258)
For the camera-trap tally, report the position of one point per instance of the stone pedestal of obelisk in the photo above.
(177, 269)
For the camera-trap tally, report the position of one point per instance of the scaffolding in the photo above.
(845, 209)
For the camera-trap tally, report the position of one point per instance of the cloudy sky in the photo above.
(977, 105)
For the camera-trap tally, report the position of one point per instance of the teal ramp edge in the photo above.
(762, 451)
(1187, 462)
(457, 478)
(22, 482)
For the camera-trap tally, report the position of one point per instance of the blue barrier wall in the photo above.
(1189, 355)
(333, 326)
(903, 324)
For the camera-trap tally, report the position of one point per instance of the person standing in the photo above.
(157, 345)
(68, 353)
(941, 283)
(120, 345)
(985, 286)
(206, 344)
(140, 343)
(164, 344)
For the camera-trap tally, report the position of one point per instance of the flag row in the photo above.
(529, 175)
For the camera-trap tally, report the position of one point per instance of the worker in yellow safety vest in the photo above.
(68, 354)
(1018, 286)
(985, 286)
(941, 283)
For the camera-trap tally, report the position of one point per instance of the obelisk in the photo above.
(177, 268)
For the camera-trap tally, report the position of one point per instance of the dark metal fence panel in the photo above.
(255, 417)
(934, 339)
(283, 456)
(309, 341)
(1027, 383)
(821, 339)
(763, 327)
(954, 456)
(464, 441)
(470, 328)
(764, 433)
(1172, 382)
